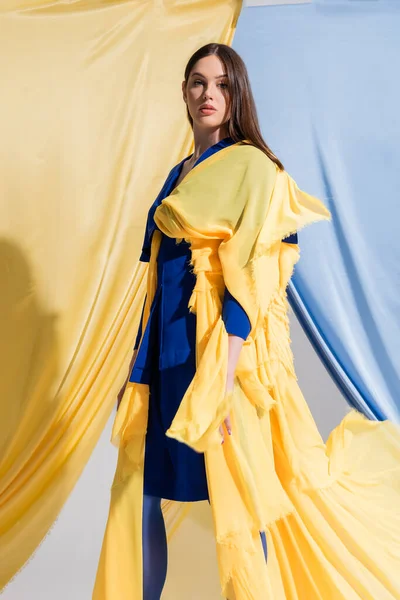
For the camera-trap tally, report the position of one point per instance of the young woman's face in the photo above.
(207, 85)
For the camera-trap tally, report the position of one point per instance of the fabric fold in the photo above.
(275, 469)
(325, 508)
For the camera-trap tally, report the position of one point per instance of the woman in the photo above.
(213, 383)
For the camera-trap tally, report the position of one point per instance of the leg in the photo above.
(264, 544)
(155, 553)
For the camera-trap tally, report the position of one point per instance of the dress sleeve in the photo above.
(234, 316)
(145, 253)
(139, 333)
(291, 239)
(150, 224)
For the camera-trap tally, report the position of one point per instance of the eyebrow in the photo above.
(217, 77)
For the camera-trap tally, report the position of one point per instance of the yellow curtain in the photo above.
(92, 119)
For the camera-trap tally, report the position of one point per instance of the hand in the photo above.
(228, 425)
(122, 390)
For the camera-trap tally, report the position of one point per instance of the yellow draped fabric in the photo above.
(85, 84)
(330, 512)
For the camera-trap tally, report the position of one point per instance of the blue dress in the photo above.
(166, 358)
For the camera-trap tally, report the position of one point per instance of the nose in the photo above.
(207, 94)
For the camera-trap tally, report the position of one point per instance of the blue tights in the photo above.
(155, 551)
(154, 548)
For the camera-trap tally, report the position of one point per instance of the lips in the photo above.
(207, 108)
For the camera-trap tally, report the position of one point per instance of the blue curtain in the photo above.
(325, 80)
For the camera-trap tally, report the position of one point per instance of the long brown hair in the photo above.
(243, 124)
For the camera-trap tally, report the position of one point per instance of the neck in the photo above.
(203, 139)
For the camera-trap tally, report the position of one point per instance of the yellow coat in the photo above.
(330, 512)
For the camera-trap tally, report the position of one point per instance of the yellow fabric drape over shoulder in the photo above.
(81, 117)
(330, 512)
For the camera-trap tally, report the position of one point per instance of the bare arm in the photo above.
(235, 344)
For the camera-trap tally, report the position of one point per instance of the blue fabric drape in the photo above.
(325, 84)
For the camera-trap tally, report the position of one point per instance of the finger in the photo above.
(221, 430)
(228, 425)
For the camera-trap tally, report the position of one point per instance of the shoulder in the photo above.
(254, 156)
(255, 160)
